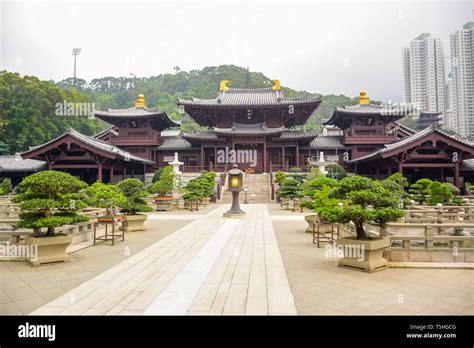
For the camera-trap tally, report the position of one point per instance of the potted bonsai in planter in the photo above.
(49, 199)
(362, 200)
(208, 180)
(420, 190)
(134, 192)
(193, 193)
(316, 188)
(290, 189)
(163, 187)
(105, 196)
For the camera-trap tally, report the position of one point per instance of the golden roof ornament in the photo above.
(140, 103)
(223, 87)
(276, 85)
(363, 99)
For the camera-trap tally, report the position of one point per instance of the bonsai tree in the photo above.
(49, 199)
(420, 190)
(363, 200)
(157, 175)
(290, 188)
(311, 186)
(399, 179)
(314, 173)
(134, 191)
(207, 180)
(396, 184)
(5, 185)
(439, 193)
(194, 191)
(105, 196)
(279, 177)
(335, 171)
(297, 174)
(165, 184)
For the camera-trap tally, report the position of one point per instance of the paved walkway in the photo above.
(321, 287)
(212, 265)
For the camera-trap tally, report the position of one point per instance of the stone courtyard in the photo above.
(201, 263)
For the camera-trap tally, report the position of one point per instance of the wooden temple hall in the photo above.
(261, 131)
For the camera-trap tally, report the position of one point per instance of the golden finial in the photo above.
(363, 99)
(223, 87)
(276, 85)
(140, 103)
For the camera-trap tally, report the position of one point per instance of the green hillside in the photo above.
(163, 90)
(27, 105)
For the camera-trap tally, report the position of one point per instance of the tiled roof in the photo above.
(200, 135)
(170, 133)
(467, 164)
(250, 97)
(411, 139)
(176, 143)
(249, 129)
(361, 109)
(327, 142)
(160, 118)
(338, 117)
(404, 129)
(111, 129)
(18, 164)
(130, 112)
(95, 143)
(289, 134)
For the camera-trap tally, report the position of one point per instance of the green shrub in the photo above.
(157, 175)
(420, 190)
(49, 199)
(165, 184)
(134, 192)
(290, 188)
(106, 196)
(5, 185)
(439, 193)
(279, 177)
(336, 172)
(363, 200)
(311, 186)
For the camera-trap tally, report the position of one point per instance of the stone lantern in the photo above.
(235, 187)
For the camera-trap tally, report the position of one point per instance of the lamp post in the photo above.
(245, 192)
(75, 53)
(235, 186)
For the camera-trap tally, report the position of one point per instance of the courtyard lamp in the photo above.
(235, 187)
(245, 197)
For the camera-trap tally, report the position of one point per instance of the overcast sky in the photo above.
(325, 46)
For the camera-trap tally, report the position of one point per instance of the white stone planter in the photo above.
(49, 249)
(364, 255)
(134, 222)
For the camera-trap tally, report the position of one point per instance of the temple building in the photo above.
(256, 126)
(260, 130)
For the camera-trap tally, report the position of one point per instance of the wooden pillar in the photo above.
(377, 172)
(124, 173)
(400, 167)
(457, 182)
(215, 156)
(112, 174)
(297, 155)
(99, 172)
(283, 155)
(202, 157)
(265, 156)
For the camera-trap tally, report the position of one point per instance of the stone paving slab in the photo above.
(213, 265)
(320, 287)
